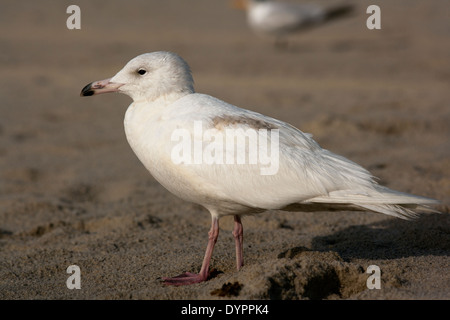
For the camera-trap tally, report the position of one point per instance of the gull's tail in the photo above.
(380, 199)
(400, 205)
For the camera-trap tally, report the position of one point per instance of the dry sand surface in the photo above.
(73, 193)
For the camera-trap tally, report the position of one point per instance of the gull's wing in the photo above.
(295, 169)
(300, 173)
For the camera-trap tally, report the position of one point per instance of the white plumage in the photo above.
(308, 177)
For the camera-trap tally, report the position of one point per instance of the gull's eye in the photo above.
(142, 71)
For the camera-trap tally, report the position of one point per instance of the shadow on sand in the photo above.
(390, 239)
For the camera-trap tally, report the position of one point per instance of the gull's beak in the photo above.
(102, 86)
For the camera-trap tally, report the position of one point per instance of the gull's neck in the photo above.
(162, 100)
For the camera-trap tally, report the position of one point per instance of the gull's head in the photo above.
(148, 77)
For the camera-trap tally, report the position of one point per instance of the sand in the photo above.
(73, 193)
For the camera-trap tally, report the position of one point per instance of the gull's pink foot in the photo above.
(185, 279)
(190, 278)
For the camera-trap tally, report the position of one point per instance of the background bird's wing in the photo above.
(288, 17)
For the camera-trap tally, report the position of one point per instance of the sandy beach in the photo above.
(72, 192)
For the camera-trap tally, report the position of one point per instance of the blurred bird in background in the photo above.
(279, 19)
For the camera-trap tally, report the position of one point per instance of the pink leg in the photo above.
(190, 278)
(238, 233)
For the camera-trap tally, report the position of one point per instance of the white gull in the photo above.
(307, 177)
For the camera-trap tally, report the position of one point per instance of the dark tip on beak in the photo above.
(87, 91)
(98, 87)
